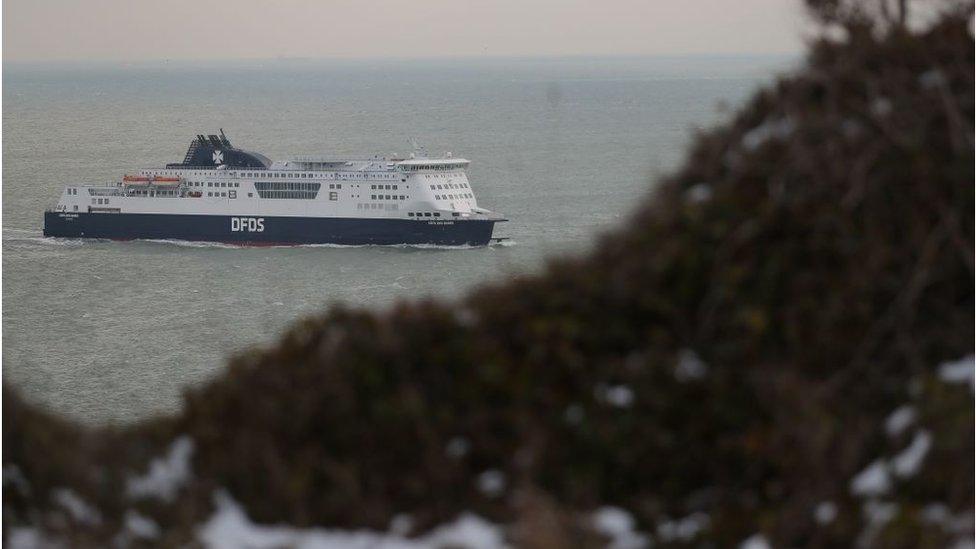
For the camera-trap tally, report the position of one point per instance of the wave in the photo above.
(232, 246)
(33, 236)
(14, 236)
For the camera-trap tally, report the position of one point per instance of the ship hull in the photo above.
(265, 230)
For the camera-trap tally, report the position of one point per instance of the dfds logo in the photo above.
(247, 224)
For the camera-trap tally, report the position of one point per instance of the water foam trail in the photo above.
(16, 236)
(231, 246)
(190, 243)
(35, 237)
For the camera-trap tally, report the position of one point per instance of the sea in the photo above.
(113, 332)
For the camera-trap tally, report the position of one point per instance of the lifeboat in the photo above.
(136, 180)
(150, 180)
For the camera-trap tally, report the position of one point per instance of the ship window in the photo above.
(76, 207)
(223, 194)
(372, 197)
(209, 183)
(339, 185)
(410, 214)
(455, 214)
(305, 191)
(426, 214)
(333, 196)
(250, 195)
(436, 214)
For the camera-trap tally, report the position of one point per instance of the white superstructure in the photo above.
(217, 181)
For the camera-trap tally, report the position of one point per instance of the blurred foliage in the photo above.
(734, 350)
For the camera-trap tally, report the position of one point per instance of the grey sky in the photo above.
(215, 29)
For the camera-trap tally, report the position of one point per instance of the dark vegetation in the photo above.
(734, 351)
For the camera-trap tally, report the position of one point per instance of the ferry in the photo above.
(220, 193)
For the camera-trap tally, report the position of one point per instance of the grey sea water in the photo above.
(111, 331)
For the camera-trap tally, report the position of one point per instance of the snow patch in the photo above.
(825, 513)
(771, 129)
(468, 531)
(936, 513)
(617, 525)
(879, 512)
(619, 396)
(401, 525)
(909, 461)
(230, 528)
(939, 513)
(13, 476)
(872, 481)
(958, 371)
(756, 541)
(140, 526)
(491, 483)
(685, 529)
(690, 367)
(899, 420)
(30, 538)
(166, 475)
(81, 512)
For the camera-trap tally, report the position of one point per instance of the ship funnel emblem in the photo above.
(218, 157)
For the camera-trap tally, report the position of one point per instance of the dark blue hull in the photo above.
(268, 230)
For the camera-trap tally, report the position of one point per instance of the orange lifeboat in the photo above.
(150, 180)
(136, 180)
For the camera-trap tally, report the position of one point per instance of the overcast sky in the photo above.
(41, 30)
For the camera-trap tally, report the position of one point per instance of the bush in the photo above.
(734, 352)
